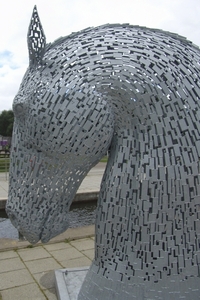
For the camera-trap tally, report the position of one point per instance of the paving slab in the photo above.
(77, 262)
(15, 278)
(51, 294)
(42, 265)
(27, 292)
(8, 254)
(66, 254)
(33, 253)
(57, 246)
(11, 264)
(83, 244)
(46, 280)
(89, 253)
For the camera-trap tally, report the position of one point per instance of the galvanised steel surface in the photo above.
(135, 90)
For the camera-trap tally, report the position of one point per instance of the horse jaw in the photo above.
(41, 194)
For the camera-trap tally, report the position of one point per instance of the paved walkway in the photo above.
(26, 272)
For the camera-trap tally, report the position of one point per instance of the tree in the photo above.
(6, 122)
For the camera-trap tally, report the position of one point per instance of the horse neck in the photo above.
(116, 195)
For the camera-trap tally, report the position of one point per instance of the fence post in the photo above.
(6, 167)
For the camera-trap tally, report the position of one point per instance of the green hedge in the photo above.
(4, 164)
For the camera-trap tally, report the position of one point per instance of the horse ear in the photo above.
(36, 39)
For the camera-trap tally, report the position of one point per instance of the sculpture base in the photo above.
(69, 281)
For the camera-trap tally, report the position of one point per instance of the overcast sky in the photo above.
(61, 17)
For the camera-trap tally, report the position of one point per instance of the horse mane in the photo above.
(127, 26)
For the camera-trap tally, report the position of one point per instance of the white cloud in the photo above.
(10, 79)
(62, 17)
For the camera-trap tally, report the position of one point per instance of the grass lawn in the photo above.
(104, 159)
(4, 164)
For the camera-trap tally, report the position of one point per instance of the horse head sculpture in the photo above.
(54, 145)
(135, 90)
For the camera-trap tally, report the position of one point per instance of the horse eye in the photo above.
(18, 109)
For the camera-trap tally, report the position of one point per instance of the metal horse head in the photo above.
(134, 89)
(62, 128)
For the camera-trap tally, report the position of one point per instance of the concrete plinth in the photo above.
(69, 282)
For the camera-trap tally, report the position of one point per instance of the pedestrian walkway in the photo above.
(28, 273)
